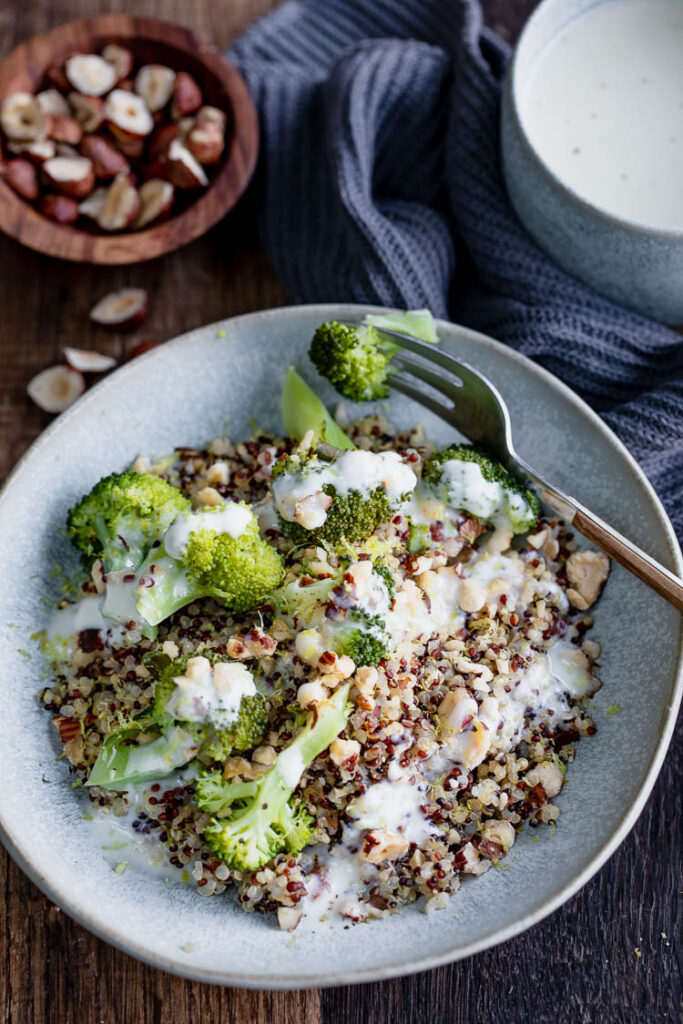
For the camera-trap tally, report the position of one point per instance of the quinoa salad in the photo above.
(331, 673)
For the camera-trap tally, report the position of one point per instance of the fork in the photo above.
(475, 407)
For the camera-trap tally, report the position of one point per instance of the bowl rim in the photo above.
(522, 64)
(37, 232)
(70, 903)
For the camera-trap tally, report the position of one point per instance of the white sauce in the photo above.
(370, 591)
(540, 692)
(266, 513)
(352, 471)
(410, 618)
(432, 608)
(568, 665)
(161, 755)
(126, 849)
(509, 568)
(340, 881)
(393, 805)
(70, 621)
(104, 612)
(604, 109)
(229, 518)
(211, 693)
(120, 598)
(520, 588)
(290, 765)
(87, 613)
(468, 490)
(465, 488)
(422, 508)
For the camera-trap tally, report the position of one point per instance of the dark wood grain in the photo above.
(151, 41)
(578, 966)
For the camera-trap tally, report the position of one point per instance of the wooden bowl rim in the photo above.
(23, 222)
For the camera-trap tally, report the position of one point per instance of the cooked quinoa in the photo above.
(441, 761)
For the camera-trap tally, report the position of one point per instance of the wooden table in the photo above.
(608, 955)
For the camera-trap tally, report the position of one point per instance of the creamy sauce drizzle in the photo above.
(352, 471)
(604, 108)
(392, 804)
(211, 693)
(230, 518)
(123, 847)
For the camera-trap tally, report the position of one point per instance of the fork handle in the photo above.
(609, 540)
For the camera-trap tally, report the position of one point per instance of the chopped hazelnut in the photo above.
(366, 679)
(209, 496)
(472, 596)
(383, 844)
(344, 751)
(310, 694)
(586, 572)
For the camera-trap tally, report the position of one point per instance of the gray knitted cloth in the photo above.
(380, 182)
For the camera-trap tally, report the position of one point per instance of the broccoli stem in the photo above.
(173, 588)
(121, 764)
(302, 411)
(314, 738)
(256, 820)
(283, 777)
(418, 322)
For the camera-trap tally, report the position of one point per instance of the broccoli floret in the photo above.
(122, 516)
(176, 731)
(363, 637)
(342, 611)
(302, 411)
(216, 739)
(239, 571)
(304, 601)
(356, 358)
(352, 517)
(469, 480)
(302, 482)
(254, 821)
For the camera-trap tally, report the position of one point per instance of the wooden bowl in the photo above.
(150, 41)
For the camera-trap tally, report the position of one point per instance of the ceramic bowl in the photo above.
(637, 266)
(151, 41)
(183, 393)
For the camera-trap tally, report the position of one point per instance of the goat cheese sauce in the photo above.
(211, 692)
(468, 490)
(229, 518)
(352, 471)
(393, 805)
(290, 765)
(70, 621)
(604, 109)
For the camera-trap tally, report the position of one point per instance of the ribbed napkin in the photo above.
(380, 182)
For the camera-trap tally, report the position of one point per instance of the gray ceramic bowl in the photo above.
(637, 266)
(182, 393)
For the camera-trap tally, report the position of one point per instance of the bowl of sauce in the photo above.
(592, 145)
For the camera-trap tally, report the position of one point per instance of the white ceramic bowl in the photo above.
(635, 265)
(182, 393)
